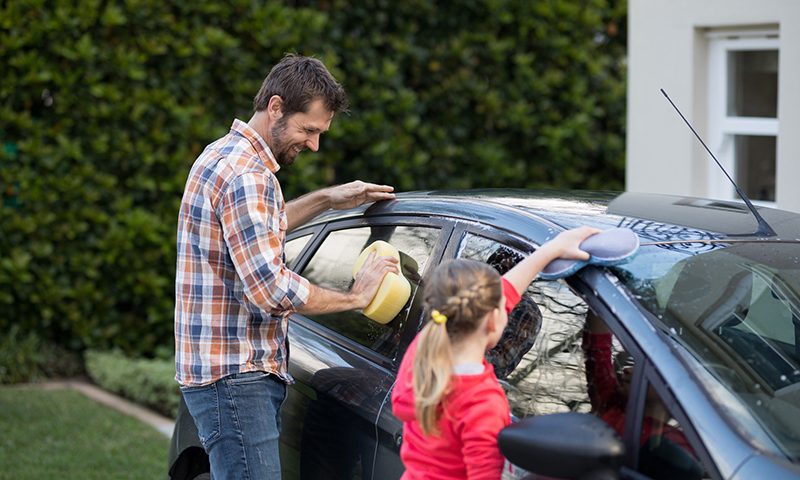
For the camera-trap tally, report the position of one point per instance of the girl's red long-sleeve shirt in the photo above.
(472, 415)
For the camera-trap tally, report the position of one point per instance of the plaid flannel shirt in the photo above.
(233, 292)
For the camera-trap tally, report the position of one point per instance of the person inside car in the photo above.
(665, 452)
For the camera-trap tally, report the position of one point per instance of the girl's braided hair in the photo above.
(464, 291)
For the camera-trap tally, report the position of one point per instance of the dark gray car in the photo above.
(693, 372)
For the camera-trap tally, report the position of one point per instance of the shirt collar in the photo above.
(259, 144)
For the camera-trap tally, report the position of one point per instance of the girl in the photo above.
(447, 395)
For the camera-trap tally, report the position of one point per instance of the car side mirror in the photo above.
(564, 445)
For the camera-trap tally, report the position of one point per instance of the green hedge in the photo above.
(104, 106)
(147, 382)
(24, 357)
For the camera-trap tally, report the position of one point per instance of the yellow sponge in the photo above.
(394, 290)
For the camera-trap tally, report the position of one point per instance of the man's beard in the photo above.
(285, 153)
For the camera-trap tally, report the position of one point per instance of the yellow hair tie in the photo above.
(438, 317)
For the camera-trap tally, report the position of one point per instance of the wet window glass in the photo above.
(293, 248)
(332, 267)
(736, 310)
(538, 359)
(664, 450)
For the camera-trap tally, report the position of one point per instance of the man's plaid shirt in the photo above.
(233, 292)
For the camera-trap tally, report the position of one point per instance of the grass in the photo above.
(63, 434)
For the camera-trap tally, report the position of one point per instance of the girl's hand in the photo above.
(567, 243)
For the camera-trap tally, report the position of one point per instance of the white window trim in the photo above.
(722, 128)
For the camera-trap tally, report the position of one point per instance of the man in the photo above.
(233, 291)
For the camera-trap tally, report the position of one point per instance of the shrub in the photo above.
(149, 382)
(24, 357)
(105, 105)
(444, 92)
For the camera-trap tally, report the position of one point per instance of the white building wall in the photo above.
(667, 48)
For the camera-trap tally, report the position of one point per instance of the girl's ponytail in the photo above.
(458, 295)
(433, 367)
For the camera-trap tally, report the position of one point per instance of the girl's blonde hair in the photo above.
(464, 291)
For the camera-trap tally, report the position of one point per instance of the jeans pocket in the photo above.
(203, 404)
(285, 394)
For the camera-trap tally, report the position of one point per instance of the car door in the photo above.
(550, 360)
(344, 364)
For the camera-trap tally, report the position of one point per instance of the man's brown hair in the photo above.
(299, 81)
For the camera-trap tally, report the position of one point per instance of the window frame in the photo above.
(723, 128)
(462, 229)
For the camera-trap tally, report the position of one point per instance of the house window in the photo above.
(743, 112)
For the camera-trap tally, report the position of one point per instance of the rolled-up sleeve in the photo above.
(254, 231)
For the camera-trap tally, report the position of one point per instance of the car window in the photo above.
(736, 308)
(538, 360)
(293, 248)
(332, 264)
(664, 450)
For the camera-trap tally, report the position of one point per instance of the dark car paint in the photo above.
(542, 215)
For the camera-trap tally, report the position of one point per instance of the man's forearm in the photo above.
(322, 300)
(303, 209)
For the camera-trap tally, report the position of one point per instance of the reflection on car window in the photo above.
(664, 451)
(737, 309)
(332, 264)
(293, 248)
(538, 359)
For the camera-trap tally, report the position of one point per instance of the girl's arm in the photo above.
(565, 245)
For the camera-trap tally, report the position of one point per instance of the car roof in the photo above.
(655, 217)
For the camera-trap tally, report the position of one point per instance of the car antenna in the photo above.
(763, 230)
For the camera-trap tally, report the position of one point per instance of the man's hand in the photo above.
(353, 194)
(370, 276)
(358, 193)
(368, 279)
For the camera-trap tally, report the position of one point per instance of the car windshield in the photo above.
(735, 307)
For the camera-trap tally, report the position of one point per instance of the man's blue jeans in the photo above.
(238, 419)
